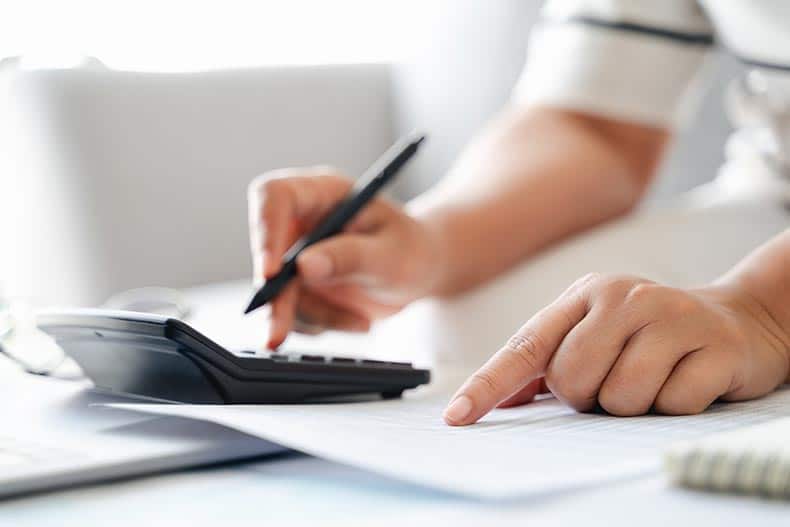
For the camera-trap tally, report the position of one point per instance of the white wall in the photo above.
(190, 35)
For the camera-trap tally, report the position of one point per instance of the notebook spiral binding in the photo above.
(753, 461)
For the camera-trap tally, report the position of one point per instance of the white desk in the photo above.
(299, 490)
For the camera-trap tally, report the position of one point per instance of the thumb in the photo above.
(340, 257)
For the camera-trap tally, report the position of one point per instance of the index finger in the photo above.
(278, 202)
(521, 360)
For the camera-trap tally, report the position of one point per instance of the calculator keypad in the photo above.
(321, 359)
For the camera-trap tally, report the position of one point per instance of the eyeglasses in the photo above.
(29, 347)
(158, 300)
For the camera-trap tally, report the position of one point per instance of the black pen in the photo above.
(374, 178)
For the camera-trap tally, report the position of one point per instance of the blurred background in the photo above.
(129, 131)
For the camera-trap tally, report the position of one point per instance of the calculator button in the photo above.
(374, 362)
(279, 357)
(313, 358)
(343, 360)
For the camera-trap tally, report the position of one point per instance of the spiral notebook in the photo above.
(751, 460)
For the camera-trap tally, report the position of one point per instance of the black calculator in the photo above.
(163, 358)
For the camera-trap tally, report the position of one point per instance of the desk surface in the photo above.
(300, 490)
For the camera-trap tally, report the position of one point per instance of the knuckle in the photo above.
(619, 408)
(567, 315)
(525, 348)
(590, 278)
(674, 402)
(668, 300)
(581, 285)
(620, 399)
(269, 192)
(623, 283)
(273, 186)
(587, 280)
(573, 392)
(682, 304)
(640, 292)
(609, 289)
(485, 379)
(614, 290)
(345, 259)
(262, 183)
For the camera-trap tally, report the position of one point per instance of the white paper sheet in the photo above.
(538, 448)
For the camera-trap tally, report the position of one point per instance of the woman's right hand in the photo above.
(383, 259)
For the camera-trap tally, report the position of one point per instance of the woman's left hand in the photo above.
(631, 345)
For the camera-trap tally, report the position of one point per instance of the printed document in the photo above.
(534, 449)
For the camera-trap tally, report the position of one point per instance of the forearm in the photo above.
(764, 276)
(534, 177)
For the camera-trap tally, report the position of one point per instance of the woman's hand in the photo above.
(631, 345)
(383, 260)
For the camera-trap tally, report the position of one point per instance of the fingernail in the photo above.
(458, 409)
(273, 343)
(315, 265)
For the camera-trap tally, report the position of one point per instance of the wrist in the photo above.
(760, 309)
(437, 255)
(437, 236)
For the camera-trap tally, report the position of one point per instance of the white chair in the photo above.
(116, 179)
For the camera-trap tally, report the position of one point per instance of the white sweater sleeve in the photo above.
(634, 60)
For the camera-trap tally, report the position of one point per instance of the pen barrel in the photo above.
(364, 190)
(272, 287)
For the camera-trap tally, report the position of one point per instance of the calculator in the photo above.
(157, 357)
